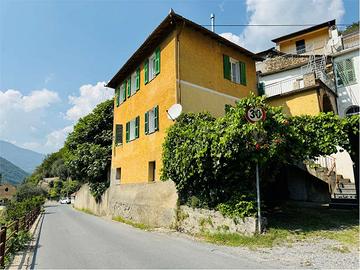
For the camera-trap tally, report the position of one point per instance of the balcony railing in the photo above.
(284, 86)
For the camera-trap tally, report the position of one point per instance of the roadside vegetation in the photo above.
(292, 223)
(212, 161)
(85, 157)
(141, 226)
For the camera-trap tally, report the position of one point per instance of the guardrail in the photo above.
(9, 231)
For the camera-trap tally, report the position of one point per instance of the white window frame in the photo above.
(133, 83)
(235, 78)
(152, 74)
(122, 93)
(132, 128)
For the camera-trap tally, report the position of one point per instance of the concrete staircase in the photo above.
(342, 191)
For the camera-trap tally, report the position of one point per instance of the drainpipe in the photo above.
(177, 63)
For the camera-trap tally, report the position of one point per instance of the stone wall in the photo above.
(195, 221)
(153, 204)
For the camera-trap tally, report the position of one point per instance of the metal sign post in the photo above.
(253, 115)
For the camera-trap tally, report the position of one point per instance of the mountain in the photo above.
(25, 159)
(11, 173)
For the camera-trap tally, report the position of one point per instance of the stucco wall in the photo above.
(153, 204)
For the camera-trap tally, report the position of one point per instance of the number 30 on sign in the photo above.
(255, 114)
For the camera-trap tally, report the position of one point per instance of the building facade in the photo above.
(179, 63)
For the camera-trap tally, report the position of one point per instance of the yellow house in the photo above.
(312, 40)
(183, 63)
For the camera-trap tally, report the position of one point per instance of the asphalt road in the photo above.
(72, 239)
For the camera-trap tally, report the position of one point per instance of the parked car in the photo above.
(65, 201)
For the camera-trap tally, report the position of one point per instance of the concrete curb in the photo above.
(24, 259)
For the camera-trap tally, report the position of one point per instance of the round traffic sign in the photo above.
(255, 114)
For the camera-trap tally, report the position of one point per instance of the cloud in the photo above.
(31, 145)
(257, 38)
(55, 139)
(14, 100)
(90, 96)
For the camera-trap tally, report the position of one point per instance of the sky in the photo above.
(56, 56)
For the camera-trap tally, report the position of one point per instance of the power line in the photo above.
(234, 25)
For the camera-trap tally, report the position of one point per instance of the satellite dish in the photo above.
(174, 111)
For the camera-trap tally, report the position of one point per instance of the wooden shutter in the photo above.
(157, 61)
(146, 71)
(147, 122)
(137, 79)
(227, 67)
(128, 87)
(242, 73)
(261, 89)
(156, 117)
(127, 132)
(123, 97)
(137, 125)
(117, 96)
(118, 134)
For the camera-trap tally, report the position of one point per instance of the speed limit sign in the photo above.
(255, 114)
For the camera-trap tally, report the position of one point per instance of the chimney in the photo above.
(212, 18)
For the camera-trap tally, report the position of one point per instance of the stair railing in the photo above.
(329, 163)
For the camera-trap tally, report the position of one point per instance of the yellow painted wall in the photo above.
(133, 157)
(201, 63)
(305, 102)
(319, 38)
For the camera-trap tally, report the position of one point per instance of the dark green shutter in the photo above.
(117, 96)
(146, 71)
(157, 61)
(128, 84)
(261, 89)
(137, 79)
(123, 98)
(156, 117)
(127, 132)
(137, 125)
(147, 123)
(242, 73)
(227, 67)
(118, 134)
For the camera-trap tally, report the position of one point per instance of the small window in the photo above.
(118, 174)
(235, 70)
(152, 168)
(152, 66)
(152, 120)
(300, 46)
(122, 93)
(132, 129)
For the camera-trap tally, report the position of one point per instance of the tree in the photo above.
(88, 148)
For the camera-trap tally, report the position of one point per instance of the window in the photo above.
(132, 129)
(118, 174)
(345, 73)
(122, 92)
(152, 120)
(300, 46)
(152, 167)
(118, 134)
(234, 70)
(152, 66)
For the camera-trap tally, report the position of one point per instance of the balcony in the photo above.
(295, 83)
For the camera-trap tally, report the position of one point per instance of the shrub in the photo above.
(240, 206)
(97, 189)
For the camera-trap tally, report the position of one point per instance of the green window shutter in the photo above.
(127, 132)
(157, 61)
(128, 88)
(242, 73)
(118, 134)
(137, 125)
(156, 118)
(137, 79)
(147, 123)
(146, 71)
(261, 89)
(117, 96)
(227, 67)
(123, 97)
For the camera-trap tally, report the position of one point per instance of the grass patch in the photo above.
(86, 211)
(292, 222)
(134, 224)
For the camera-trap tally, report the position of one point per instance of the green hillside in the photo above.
(11, 173)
